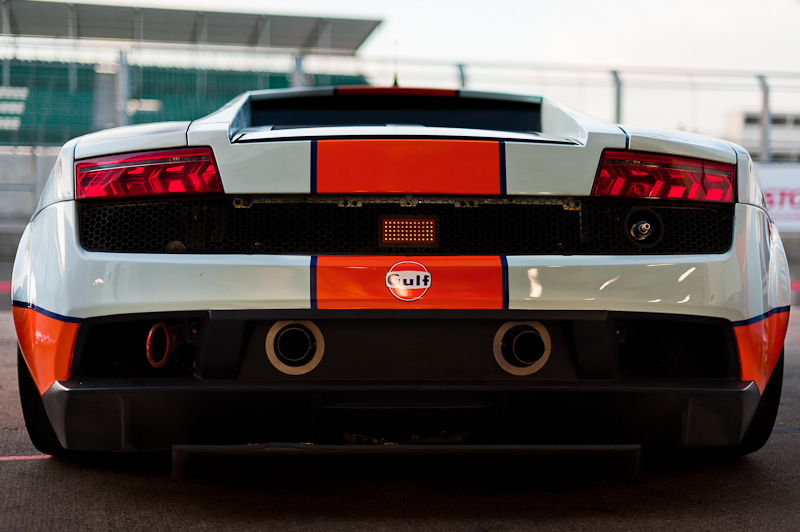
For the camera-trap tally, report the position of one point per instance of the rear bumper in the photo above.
(147, 415)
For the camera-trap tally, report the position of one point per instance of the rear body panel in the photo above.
(68, 280)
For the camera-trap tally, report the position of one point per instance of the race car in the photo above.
(355, 267)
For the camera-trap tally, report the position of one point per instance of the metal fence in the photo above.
(46, 100)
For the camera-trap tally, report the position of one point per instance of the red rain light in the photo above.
(646, 175)
(150, 173)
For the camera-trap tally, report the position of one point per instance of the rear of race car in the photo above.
(359, 266)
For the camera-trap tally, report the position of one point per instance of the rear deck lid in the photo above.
(395, 112)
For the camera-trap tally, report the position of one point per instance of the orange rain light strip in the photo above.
(408, 231)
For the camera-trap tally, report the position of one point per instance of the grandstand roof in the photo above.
(89, 21)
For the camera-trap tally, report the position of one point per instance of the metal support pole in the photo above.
(138, 37)
(617, 97)
(262, 39)
(123, 89)
(72, 22)
(298, 76)
(7, 33)
(766, 121)
(324, 46)
(201, 37)
(6, 19)
(462, 75)
(138, 25)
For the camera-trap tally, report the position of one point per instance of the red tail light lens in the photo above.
(643, 175)
(181, 171)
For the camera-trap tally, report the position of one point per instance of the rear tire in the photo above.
(760, 428)
(38, 424)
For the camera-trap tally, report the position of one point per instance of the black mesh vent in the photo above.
(337, 225)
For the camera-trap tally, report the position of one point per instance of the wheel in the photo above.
(760, 427)
(38, 424)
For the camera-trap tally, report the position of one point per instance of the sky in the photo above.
(740, 35)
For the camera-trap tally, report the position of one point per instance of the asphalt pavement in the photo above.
(465, 493)
(6, 265)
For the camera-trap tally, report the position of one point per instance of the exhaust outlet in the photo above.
(294, 344)
(295, 347)
(522, 348)
(161, 342)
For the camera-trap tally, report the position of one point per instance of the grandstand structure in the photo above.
(38, 107)
(46, 103)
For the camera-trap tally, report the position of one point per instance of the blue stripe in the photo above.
(47, 313)
(313, 282)
(504, 265)
(757, 319)
(313, 166)
(503, 187)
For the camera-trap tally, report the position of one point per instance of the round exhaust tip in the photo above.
(161, 342)
(294, 344)
(295, 347)
(525, 347)
(522, 348)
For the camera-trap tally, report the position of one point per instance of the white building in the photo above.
(745, 129)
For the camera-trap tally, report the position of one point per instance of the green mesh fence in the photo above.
(52, 113)
(189, 94)
(55, 109)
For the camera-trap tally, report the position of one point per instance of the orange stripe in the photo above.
(47, 345)
(408, 166)
(760, 346)
(455, 283)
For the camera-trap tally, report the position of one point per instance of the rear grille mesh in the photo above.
(498, 225)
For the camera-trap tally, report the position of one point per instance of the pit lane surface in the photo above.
(591, 492)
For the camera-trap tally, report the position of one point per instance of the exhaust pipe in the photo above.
(161, 342)
(522, 347)
(295, 347)
(294, 344)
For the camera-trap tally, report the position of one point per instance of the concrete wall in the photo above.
(20, 167)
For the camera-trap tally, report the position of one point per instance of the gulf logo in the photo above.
(408, 280)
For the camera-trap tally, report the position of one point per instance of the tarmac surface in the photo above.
(470, 493)
(6, 266)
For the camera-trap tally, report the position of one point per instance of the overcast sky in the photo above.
(751, 35)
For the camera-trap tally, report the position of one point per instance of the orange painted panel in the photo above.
(47, 345)
(408, 166)
(430, 283)
(760, 346)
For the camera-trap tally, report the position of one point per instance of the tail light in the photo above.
(644, 175)
(180, 171)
